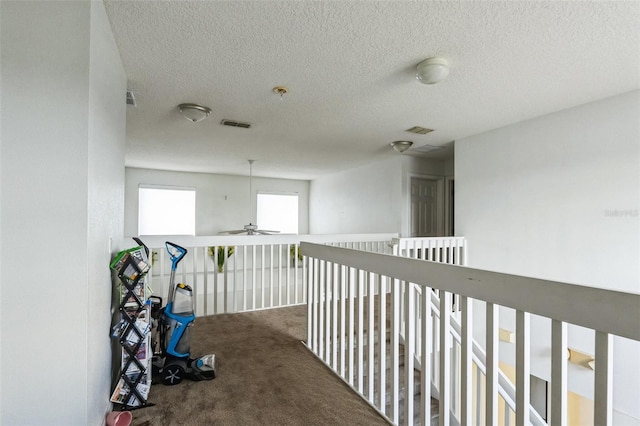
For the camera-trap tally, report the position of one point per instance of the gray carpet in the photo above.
(265, 377)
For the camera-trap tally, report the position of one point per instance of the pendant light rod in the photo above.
(251, 190)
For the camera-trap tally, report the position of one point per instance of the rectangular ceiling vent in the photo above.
(419, 130)
(234, 123)
(131, 99)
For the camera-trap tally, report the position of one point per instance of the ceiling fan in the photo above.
(250, 229)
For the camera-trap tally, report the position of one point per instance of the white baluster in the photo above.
(328, 266)
(254, 266)
(523, 374)
(395, 356)
(558, 373)
(466, 385)
(205, 280)
(445, 357)
(262, 276)
(244, 278)
(310, 317)
(370, 336)
(382, 340)
(343, 299)
(425, 357)
(351, 289)
(334, 317)
(409, 350)
(194, 277)
(603, 379)
(321, 296)
(491, 396)
(360, 339)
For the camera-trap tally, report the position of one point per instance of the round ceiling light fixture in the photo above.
(432, 70)
(401, 146)
(194, 112)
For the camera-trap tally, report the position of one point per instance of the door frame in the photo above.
(440, 201)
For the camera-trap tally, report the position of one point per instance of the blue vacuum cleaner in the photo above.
(173, 362)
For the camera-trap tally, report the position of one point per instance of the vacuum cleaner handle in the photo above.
(176, 253)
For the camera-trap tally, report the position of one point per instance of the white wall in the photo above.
(557, 197)
(62, 174)
(107, 135)
(222, 201)
(368, 199)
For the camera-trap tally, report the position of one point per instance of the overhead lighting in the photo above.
(432, 70)
(401, 146)
(280, 90)
(194, 112)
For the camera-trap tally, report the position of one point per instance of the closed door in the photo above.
(425, 207)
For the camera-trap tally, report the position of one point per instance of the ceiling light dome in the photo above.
(401, 146)
(194, 112)
(432, 70)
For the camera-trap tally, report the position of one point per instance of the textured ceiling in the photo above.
(350, 69)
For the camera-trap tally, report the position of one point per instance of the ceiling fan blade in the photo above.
(234, 231)
(267, 232)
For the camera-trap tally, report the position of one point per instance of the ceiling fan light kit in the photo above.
(194, 112)
(432, 70)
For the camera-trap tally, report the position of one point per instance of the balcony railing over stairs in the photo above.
(362, 306)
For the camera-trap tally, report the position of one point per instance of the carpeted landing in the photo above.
(266, 376)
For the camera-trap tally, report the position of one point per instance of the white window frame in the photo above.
(268, 226)
(187, 214)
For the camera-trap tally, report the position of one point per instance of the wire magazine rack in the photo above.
(133, 331)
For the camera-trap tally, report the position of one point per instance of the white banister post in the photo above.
(205, 280)
(328, 267)
(558, 373)
(603, 379)
(262, 279)
(523, 359)
(382, 340)
(335, 338)
(343, 337)
(370, 336)
(425, 360)
(445, 358)
(466, 391)
(351, 295)
(395, 354)
(360, 338)
(244, 278)
(308, 283)
(254, 266)
(320, 299)
(409, 350)
(491, 394)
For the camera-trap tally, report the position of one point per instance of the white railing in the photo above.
(261, 271)
(359, 336)
(451, 250)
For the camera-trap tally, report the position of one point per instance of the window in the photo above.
(278, 212)
(166, 211)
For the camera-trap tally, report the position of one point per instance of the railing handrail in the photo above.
(589, 307)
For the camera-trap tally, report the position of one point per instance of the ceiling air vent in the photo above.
(131, 99)
(234, 123)
(419, 130)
